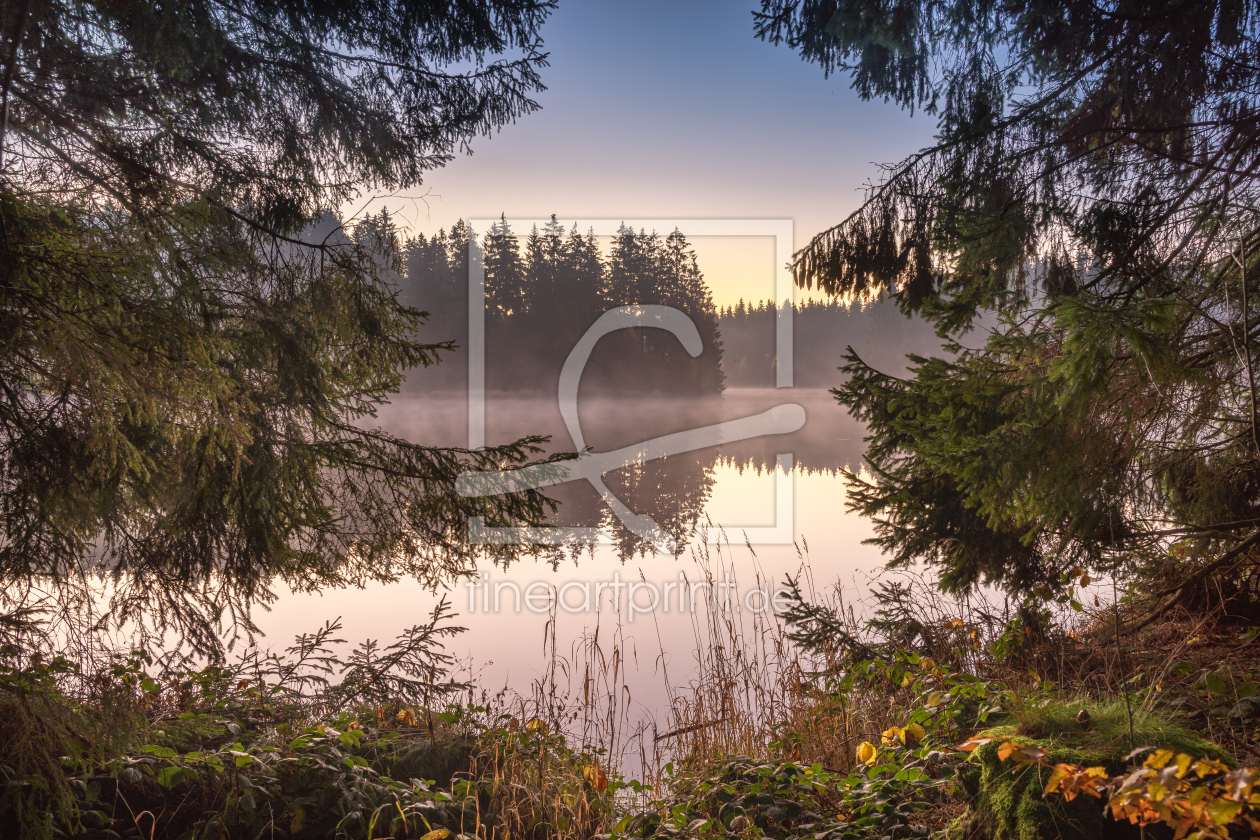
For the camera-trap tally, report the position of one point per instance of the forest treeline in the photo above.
(543, 291)
(821, 331)
(545, 288)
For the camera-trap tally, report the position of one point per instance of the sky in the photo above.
(673, 110)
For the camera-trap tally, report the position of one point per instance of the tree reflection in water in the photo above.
(672, 490)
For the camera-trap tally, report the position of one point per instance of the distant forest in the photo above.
(821, 331)
(545, 288)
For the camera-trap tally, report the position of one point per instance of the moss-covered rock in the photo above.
(1005, 802)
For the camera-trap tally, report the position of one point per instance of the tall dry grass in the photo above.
(748, 688)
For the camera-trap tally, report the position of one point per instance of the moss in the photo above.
(1106, 734)
(1006, 803)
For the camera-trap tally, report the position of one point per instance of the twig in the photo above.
(1251, 381)
(1180, 590)
(684, 730)
(23, 14)
(1128, 706)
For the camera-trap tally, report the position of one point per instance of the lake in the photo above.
(745, 513)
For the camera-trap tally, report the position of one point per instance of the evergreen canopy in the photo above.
(1092, 191)
(186, 363)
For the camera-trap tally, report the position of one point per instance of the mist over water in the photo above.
(725, 488)
(639, 384)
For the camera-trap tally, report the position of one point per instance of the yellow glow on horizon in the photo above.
(737, 267)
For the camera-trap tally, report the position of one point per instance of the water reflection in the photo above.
(673, 490)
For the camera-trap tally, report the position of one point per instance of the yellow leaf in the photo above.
(1183, 764)
(926, 664)
(914, 732)
(437, 834)
(1159, 759)
(1004, 751)
(1222, 810)
(866, 752)
(1207, 766)
(1060, 772)
(934, 699)
(894, 733)
(595, 776)
(407, 717)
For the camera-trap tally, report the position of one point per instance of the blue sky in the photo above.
(675, 110)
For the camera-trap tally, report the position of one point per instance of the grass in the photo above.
(1053, 721)
(760, 742)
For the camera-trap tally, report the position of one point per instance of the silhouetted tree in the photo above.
(190, 342)
(1093, 191)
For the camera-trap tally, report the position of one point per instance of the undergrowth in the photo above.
(812, 723)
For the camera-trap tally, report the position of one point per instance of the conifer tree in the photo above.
(505, 274)
(192, 344)
(1092, 196)
(584, 277)
(681, 284)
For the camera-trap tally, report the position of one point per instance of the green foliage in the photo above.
(47, 741)
(342, 779)
(899, 773)
(1007, 803)
(1054, 720)
(303, 743)
(762, 799)
(1090, 201)
(190, 368)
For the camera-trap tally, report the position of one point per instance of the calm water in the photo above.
(717, 494)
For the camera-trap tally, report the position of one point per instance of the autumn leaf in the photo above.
(1221, 811)
(1183, 764)
(1060, 772)
(595, 777)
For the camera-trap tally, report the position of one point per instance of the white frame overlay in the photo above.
(781, 533)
